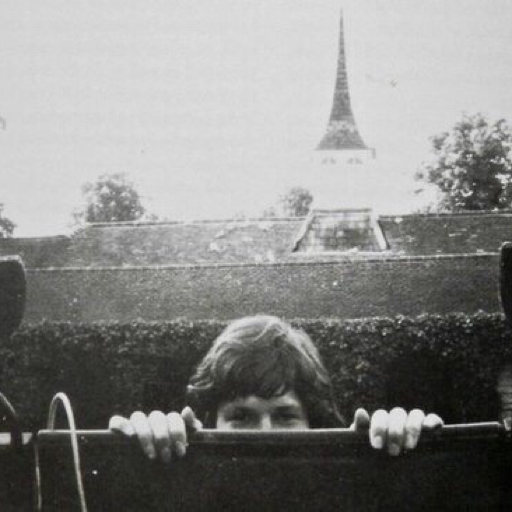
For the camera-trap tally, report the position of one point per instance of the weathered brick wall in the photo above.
(345, 289)
(454, 233)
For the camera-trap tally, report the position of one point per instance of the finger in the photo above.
(140, 424)
(379, 429)
(190, 419)
(161, 435)
(432, 422)
(178, 430)
(413, 428)
(361, 420)
(396, 430)
(121, 425)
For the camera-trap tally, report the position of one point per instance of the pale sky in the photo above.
(212, 106)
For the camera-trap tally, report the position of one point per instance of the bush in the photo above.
(446, 364)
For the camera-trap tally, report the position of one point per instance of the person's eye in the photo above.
(240, 417)
(287, 417)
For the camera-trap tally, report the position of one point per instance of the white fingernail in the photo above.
(180, 448)
(377, 442)
(410, 442)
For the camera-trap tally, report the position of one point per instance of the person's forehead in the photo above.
(289, 399)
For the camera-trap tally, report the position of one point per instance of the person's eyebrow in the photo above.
(288, 408)
(237, 408)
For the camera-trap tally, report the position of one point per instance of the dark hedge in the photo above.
(447, 364)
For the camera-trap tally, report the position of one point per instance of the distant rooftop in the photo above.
(184, 243)
(447, 233)
(324, 235)
(340, 231)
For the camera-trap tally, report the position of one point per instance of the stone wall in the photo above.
(344, 289)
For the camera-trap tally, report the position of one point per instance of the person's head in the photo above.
(262, 373)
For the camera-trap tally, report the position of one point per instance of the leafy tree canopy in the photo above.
(6, 225)
(112, 198)
(472, 165)
(296, 202)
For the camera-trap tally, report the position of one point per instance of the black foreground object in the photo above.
(506, 280)
(12, 295)
(453, 474)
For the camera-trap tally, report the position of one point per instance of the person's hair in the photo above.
(263, 356)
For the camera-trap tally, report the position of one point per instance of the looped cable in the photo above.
(61, 399)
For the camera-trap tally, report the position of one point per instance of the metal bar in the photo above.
(343, 436)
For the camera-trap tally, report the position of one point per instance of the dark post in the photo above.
(12, 305)
(16, 465)
(12, 295)
(504, 386)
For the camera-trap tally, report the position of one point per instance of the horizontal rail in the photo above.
(343, 436)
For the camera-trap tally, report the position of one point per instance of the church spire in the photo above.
(342, 133)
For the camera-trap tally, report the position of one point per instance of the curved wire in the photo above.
(61, 399)
(14, 423)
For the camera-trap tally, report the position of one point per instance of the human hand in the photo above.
(160, 435)
(396, 430)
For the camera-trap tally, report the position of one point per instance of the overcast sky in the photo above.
(213, 106)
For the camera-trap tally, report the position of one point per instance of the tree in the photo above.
(472, 165)
(112, 198)
(296, 202)
(6, 225)
(269, 213)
